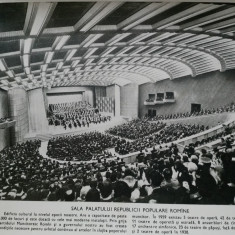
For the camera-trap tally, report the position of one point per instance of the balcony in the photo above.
(159, 101)
(172, 100)
(149, 102)
(7, 123)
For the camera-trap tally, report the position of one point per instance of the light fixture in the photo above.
(43, 74)
(27, 70)
(49, 56)
(61, 40)
(26, 60)
(17, 79)
(74, 63)
(60, 65)
(5, 82)
(108, 51)
(72, 78)
(30, 76)
(55, 72)
(89, 62)
(29, 85)
(66, 71)
(91, 39)
(10, 73)
(70, 54)
(44, 67)
(3, 66)
(27, 45)
(77, 69)
(90, 53)
(41, 14)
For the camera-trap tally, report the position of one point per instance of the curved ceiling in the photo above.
(101, 43)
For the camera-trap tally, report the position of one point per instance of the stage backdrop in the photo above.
(57, 98)
(69, 94)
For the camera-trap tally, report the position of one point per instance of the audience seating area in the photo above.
(89, 170)
(221, 135)
(159, 176)
(226, 108)
(136, 129)
(82, 147)
(94, 145)
(168, 134)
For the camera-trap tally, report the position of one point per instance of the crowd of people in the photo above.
(83, 147)
(159, 176)
(226, 108)
(219, 136)
(95, 145)
(3, 120)
(69, 107)
(135, 129)
(74, 115)
(168, 134)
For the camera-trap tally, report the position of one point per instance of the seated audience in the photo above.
(226, 108)
(84, 147)
(167, 176)
(136, 129)
(168, 134)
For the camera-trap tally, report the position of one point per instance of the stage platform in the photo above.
(53, 131)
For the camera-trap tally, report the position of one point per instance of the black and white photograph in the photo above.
(117, 102)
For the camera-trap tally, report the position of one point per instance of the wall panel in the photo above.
(37, 114)
(129, 100)
(4, 113)
(18, 110)
(210, 90)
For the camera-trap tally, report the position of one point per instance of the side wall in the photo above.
(4, 133)
(37, 113)
(129, 100)
(210, 90)
(18, 107)
(110, 91)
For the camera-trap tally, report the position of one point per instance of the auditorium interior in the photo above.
(118, 101)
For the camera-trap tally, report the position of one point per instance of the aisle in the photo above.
(43, 149)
